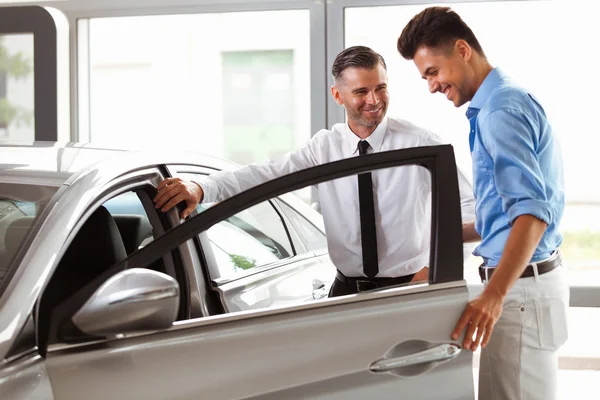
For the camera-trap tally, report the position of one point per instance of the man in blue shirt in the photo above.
(518, 185)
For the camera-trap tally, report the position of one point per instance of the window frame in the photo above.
(429, 157)
(51, 84)
(79, 15)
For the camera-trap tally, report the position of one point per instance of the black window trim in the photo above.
(446, 234)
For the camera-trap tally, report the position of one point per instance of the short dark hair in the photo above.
(357, 57)
(434, 27)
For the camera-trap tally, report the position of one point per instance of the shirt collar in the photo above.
(375, 139)
(487, 87)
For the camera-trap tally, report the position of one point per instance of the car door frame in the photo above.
(446, 227)
(430, 157)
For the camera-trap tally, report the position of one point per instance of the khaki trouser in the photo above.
(520, 362)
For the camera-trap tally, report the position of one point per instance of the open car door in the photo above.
(385, 344)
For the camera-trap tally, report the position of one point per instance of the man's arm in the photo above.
(470, 235)
(483, 312)
(467, 199)
(508, 136)
(224, 184)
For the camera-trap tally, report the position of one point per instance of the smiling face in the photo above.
(448, 71)
(364, 95)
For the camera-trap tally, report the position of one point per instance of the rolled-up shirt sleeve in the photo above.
(221, 185)
(511, 141)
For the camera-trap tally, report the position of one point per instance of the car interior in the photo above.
(103, 241)
(15, 232)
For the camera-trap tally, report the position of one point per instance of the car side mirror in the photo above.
(134, 300)
(320, 290)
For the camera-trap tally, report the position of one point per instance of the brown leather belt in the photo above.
(543, 267)
(363, 283)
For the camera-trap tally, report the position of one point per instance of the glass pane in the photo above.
(252, 238)
(530, 56)
(132, 220)
(174, 80)
(313, 238)
(16, 88)
(20, 205)
(255, 237)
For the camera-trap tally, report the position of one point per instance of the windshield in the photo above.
(20, 205)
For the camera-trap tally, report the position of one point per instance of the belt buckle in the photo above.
(362, 285)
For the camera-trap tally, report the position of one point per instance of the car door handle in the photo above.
(442, 352)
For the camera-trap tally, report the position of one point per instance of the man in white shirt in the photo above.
(400, 198)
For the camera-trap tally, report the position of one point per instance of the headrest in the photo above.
(15, 233)
(134, 230)
(98, 243)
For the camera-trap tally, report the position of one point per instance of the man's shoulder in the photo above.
(328, 135)
(509, 95)
(406, 129)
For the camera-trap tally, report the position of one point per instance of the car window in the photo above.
(114, 230)
(313, 239)
(20, 205)
(252, 238)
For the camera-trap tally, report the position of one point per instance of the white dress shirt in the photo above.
(402, 196)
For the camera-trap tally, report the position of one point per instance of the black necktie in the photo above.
(367, 219)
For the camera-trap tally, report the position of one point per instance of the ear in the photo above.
(463, 49)
(335, 93)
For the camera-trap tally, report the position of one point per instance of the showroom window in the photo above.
(217, 83)
(16, 88)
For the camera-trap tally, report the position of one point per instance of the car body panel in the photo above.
(25, 377)
(322, 350)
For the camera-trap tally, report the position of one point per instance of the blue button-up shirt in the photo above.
(517, 166)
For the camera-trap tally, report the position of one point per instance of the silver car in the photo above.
(104, 297)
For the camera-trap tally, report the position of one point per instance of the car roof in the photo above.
(54, 163)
